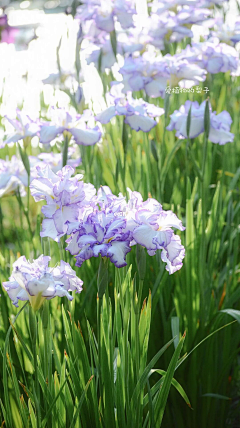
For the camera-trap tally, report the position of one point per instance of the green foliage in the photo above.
(99, 383)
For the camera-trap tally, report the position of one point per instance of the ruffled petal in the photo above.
(214, 65)
(15, 292)
(144, 236)
(49, 229)
(196, 127)
(41, 188)
(136, 82)
(49, 132)
(156, 88)
(85, 254)
(14, 138)
(220, 136)
(168, 219)
(100, 249)
(138, 122)
(105, 23)
(49, 210)
(59, 222)
(60, 291)
(36, 286)
(106, 115)
(86, 137)
(173, 255)
(117, 252)
(73, 246)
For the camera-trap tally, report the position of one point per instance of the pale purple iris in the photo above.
(104, 13)
(166, 28)
(158, 29)
(100, 50)
(76, 125)
(110, 203)
(54, 160)
(13, 177)
(103, 231)
(24, 128)
(207, 3)
(113, 229)
(227, 33)
(219, 123)
(98, 19)
(143, 73)
(95, 35)
(213, 56)
(151, 227)
(170, 21)
(183, 72)
(101, 234)
(192, 15)
(67, 198)
(66, 79)
(135, 39)
(103, 49)
(154, 73)
(37, 281)
(105, 224)
(139, 114)
(160, 6)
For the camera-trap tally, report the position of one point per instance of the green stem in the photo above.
(203, 240)
(162, 144)
(61, 248)
(146, 149)
(65, 150)
(1, 230)
(86, 162)
(98, 324)
(47, 337)
(28, 193)
(26, 213)
(20, 208)
(140, 294)
(125, 147)
(33, 336)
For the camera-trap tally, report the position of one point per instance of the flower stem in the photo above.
(65, 150)
(33, 336)
(203, 188)
(28, 194)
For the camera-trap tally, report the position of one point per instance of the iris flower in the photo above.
(37, 281)
(76, 125)
(219, 123)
